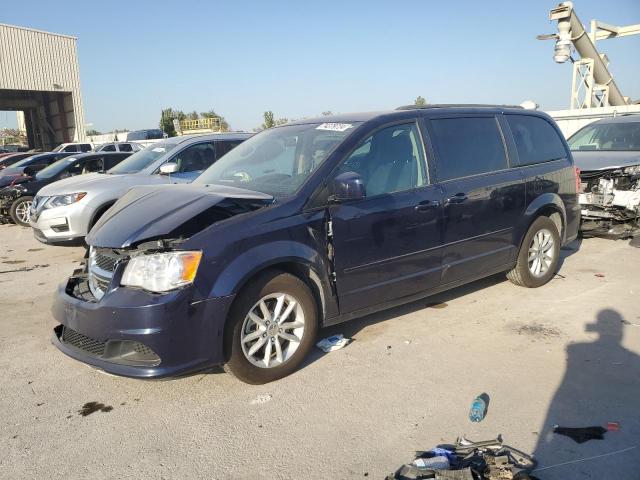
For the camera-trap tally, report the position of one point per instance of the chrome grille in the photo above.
(105, 262)
(102, 264)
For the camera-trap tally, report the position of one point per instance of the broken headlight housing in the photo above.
(161, 272)
(632, 170)
(63, 200)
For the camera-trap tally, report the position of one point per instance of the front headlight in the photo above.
(161, 272)
(632, 170)
(62, 200)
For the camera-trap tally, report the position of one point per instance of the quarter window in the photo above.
(536, 140)
(390, 160)
(467, 146)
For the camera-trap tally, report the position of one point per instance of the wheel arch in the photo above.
(548, 205)
(295, 258)
(99, 212)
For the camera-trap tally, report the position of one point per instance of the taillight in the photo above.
(578, 183)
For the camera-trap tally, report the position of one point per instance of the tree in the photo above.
(92, 132)
(269, 122)
(420, 101)
(193, 116)
(166, 121)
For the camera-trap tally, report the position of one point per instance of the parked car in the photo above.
(64, 212)
(15, 148)
(607, 152)
(152, 134)
(73, 147)
(16, 199)
(11, 158)
(28, 166)
(119, 147)
(313, 223)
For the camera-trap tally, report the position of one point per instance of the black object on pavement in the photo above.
(581, 434)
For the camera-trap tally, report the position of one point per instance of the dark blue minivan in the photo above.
(313, 223)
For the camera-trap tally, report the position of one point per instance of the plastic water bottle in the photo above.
(478, 408)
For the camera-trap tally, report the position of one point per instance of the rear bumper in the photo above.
(185, 336)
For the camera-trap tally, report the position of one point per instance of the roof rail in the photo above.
(455, 105)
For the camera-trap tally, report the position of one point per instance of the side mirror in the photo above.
(347, 186)
(169, 168)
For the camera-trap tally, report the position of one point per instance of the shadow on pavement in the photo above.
(601, 384)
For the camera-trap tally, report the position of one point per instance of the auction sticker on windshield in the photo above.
(159, 150)
(334, 127)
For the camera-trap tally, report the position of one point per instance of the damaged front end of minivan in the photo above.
(610, 202)
(120, 311)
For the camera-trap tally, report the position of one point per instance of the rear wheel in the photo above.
(273, 325)
(539, 255)
(20, 210)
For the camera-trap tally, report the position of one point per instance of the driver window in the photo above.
(195, 158)
(391, 160)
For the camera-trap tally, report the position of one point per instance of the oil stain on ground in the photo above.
(538, 330)
(14, 262)
(93, 407)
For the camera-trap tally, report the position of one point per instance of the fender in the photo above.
(546, 200)
(261, 257)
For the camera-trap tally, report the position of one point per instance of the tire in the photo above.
(19, 211)
(254, 362)
(528, 273)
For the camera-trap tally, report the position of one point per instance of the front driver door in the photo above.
(387, 245)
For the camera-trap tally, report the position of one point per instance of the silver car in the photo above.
(64, 212)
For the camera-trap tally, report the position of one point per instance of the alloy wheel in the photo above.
(272, 330)
(541, 253)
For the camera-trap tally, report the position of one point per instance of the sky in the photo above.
(300, 58)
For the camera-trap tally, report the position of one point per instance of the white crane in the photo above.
(593, 84)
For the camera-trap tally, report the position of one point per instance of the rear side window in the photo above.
(536, 140)
(108, 148)
(467, 146)
(125, 147)
(85, 147)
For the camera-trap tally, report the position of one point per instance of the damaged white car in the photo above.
(607, 152)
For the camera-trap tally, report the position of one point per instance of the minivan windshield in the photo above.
(55, 168)
(607, 136)
(142, 159)
(279, 160)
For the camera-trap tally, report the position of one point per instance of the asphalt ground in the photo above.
(566, 353)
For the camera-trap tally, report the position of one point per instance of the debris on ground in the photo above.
(261, 399)
(334, 342)
(599, 275)
(25, 269)
(581, 434)
(466, 460)
(613, 426)
(93, 407)
(437, 305)
(479, 408)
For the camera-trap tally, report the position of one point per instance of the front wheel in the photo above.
(539, 255)
(272, 327)
(20, 211)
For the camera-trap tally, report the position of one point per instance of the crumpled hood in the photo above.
(170, 212)
(587, 160)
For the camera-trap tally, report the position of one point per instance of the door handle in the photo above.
(457, 198)
(427, 205)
